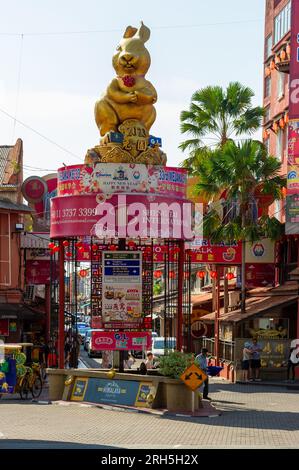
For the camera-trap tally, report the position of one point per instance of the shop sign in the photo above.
(260, 275)
(292, 199)
(274, 352)
(122, 286)
(12, 326)
(120, 341)
(262, 251)
(115, 392)
(122, 216)
(38, 272)
(203, 251)
(33, 189)
(4, 327)
(112, 178)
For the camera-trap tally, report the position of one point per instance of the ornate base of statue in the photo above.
(132, 144)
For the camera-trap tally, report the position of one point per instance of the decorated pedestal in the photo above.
(120, 212)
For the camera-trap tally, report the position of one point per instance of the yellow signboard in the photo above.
(79, 389)
(193, 377)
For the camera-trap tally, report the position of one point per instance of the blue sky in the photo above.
(193, 43)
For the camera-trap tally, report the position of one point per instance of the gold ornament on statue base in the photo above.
(126, 112)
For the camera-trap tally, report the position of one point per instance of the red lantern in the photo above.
(281, 123)
(148, 249)
(68, 254)
(286, 118)
(65, 243)
(171, 274)
(51, 246)
(275, 127)
(81, 249)
(157, 274)
(283, 55)
(112, 247)
(83, 273)
(94, 247)
(267, 71)
(131, 244)
(56, 249)
(213, 274)
(78, 244)
(229, 276)
(201, 274)
(186, 274)
(176, 249)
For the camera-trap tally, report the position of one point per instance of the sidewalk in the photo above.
(252, 416)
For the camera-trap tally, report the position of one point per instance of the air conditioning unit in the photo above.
(233, 299)
(30, 293)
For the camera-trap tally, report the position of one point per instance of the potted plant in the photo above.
(177, 395)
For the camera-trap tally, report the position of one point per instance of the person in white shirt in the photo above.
(202, 362)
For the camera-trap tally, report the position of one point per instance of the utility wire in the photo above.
(18, 86)
(96, 31)
(40, 134)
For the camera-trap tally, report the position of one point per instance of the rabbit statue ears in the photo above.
(143, 33)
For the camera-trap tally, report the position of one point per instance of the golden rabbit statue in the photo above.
(126, 112)
(129, 95)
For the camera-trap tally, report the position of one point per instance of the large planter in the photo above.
(171, 394)
(56, 379)
(179, 397)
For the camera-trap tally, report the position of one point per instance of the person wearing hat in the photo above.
(202, 361)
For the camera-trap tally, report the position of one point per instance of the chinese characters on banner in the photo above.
(122, 287)
(292, 203)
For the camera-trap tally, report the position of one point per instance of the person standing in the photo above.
(293, 360)
(246, 361)
(255, 361)
(202, 361)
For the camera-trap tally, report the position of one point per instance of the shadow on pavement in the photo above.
(34, 444)
(249, 388)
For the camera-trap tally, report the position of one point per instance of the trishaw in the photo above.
(16, 376)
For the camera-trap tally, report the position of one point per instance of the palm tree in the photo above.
(246, 173)
(216, 116)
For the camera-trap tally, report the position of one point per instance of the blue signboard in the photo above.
(120, 392)
(124, 265)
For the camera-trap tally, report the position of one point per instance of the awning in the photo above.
(254, 306)
(35, 240)
(6, 204)
(18, 312)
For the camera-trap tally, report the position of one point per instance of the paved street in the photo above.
(252, 416)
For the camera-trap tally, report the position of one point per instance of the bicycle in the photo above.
(31, 381)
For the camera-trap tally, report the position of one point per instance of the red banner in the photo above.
(4, 327)
(216, 254)
(294, 65)
(38, 272)
(122, 341)
(123, 215)
(109, 178)
(260, 275)
(292, 200)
